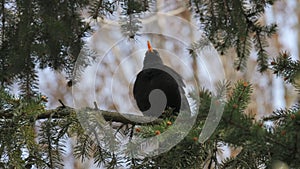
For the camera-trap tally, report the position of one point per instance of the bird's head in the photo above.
(152, 57)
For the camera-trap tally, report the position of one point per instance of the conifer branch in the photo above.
(64, 111)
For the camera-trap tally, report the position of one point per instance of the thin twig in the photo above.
(96, 106)
(61, 102)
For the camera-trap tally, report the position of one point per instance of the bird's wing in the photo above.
(175, 75)
(184, 101)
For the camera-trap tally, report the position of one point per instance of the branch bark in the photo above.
(64, 111)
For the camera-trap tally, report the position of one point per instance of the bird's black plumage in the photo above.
(156, 75)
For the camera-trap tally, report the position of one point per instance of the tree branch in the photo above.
(64, 111)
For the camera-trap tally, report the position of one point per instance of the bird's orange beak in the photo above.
(149, 46)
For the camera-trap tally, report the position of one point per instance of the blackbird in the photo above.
(158, 87)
